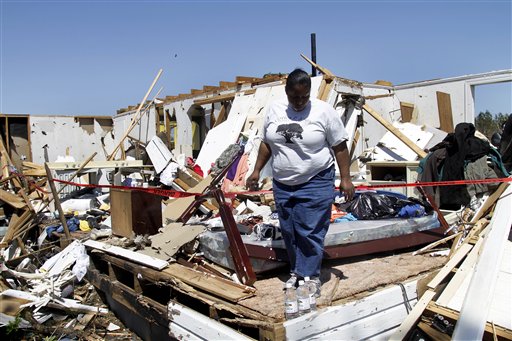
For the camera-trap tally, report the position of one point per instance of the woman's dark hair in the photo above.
(298, 76)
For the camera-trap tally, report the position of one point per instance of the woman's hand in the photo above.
(252, 182)
(347, 187)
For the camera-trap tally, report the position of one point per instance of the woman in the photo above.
(304, 137)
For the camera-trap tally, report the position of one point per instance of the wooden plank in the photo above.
(139, 258)
(57, 202)
(29, 164)
(6, 160)
(136, 118)
(464, 270)
(34, 172)
(418, 309)
(420, 152)
(215, 285)
(12, 199)
(369, 98)
(357, 135)
(473, 315)
(433, 333)
(406, 109)
(475, 230)
(489, 202)
(318, 67)
(16, 225)
(436, 243)
(444, 108)
(448, 267)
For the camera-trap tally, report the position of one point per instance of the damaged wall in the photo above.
(461, 90)
(68, 135)
(423, 95)
(143, 131)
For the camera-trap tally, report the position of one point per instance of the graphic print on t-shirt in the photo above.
(290, 130)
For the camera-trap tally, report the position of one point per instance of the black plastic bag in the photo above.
(371, 205)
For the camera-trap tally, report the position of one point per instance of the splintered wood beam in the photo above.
(11, 199)
(395, 131)
(212, 284)
(370, 98)
(16, 225)
(136, 118)
(6, 161)
(355, 140)
(82, 166)
(318, 67)
(57, 201)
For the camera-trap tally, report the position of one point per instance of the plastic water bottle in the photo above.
(303, 298)
(312, 292)
(291, 307)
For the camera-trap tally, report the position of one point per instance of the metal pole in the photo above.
(313, 53)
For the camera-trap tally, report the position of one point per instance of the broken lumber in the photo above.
(414, 315)
(151, 262)
(473, 315)
(57, 202)
(136, 118)
(420, 152)
(11, 199)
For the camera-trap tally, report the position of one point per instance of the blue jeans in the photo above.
(304, 216)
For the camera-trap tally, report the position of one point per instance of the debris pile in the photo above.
(173, 238)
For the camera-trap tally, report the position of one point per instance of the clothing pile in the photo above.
(460, 156)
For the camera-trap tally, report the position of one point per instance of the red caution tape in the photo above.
(157, 191)
(181, 194)
(437, 183)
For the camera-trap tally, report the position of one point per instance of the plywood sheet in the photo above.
(176, 207)
(444, 107)
(173, 236)
(391, 148)
(158, 153)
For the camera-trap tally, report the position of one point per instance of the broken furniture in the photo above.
(135, 212)
(237, 248)
(395, 172)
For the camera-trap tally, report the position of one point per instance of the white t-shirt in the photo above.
(301, 141)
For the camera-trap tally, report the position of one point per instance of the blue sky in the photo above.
(94, 57)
